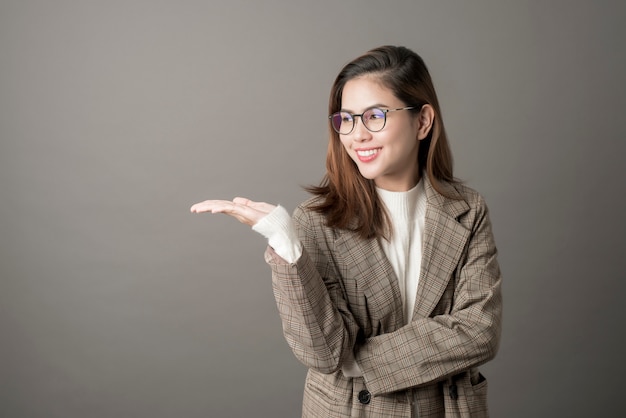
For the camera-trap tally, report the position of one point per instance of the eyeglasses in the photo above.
(373, 119)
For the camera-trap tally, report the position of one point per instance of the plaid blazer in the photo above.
(341, 300)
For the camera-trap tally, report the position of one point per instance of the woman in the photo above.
(386, 280)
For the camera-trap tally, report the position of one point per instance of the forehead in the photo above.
(366, 91)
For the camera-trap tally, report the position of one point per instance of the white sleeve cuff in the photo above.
(281, 234)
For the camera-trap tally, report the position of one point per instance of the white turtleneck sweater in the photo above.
(404, 251)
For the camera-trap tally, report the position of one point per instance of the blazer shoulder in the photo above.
(460, 201)
(305, 209)
(305, 217)
(469, 194)
(478, 211)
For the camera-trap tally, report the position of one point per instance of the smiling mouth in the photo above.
(367, 154)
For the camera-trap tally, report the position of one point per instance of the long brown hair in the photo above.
(347, 199)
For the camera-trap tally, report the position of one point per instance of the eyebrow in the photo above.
(366, 109)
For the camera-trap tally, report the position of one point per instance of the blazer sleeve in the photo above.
(433, 348)
(317, 323)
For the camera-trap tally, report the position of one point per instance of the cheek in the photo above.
(345, 143)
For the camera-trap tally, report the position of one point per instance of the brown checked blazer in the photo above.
(341, 300)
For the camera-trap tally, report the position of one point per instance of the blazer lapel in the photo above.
(443, 243)
(367, 264)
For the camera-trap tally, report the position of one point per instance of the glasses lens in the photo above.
(342, 122)
(374, 119)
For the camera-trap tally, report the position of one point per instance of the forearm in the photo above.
(316, 322)
(437, 347)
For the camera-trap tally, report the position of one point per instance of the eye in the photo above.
(342, 122)
(374, 114)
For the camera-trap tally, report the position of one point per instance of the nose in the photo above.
(360, 133)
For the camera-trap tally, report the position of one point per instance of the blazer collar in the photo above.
(454, 207)
(367, 264)
(443, 242)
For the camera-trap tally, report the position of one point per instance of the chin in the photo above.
(368, 175)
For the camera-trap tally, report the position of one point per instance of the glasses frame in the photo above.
(354, 116)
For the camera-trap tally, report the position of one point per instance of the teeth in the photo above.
(367, 153)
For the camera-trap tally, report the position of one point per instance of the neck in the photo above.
(399, 185)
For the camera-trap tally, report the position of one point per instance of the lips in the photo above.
(366, 155)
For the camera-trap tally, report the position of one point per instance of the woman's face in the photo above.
(389, 157)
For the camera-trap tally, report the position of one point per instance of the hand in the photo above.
(244, 210)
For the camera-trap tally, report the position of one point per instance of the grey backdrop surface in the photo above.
(116, 116)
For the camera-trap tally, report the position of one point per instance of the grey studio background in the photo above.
(117, 116)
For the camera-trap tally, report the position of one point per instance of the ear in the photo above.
(425, 120)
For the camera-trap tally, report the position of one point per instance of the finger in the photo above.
(244, 210)
(242, 201)
(244, 214)
(260, 206)
(209, 205)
